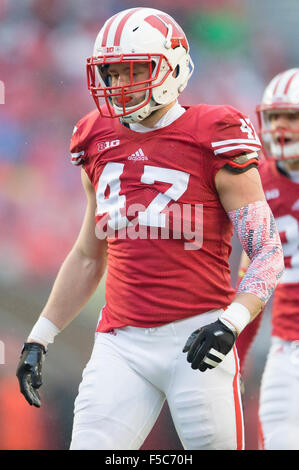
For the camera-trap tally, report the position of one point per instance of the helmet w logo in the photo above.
(163, 23)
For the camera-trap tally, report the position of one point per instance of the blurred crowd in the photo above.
(236, 48)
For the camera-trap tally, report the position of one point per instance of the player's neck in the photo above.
(157, 115)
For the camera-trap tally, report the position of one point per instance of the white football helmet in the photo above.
(143, 35)
(281, 95)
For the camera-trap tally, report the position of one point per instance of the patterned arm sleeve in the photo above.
(257, 232)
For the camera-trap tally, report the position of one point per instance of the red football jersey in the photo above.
(168, 235)
(283, 197)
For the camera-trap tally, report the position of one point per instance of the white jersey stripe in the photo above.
(235, 141)
(235, 147)
(76, 155)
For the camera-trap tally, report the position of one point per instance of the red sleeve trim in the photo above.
(243, 165)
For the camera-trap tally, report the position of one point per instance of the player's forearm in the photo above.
(76, 281)
(257, 232)
(250, 301)
(243, 266)
(260, 240)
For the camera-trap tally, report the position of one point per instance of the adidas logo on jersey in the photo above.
(139, 155)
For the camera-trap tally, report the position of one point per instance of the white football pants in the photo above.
(132, 372)
(279, 397)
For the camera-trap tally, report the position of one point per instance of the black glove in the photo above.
(208, 345)
(29, 372)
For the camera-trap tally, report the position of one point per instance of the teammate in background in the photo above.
(279, 126)
(146, 160)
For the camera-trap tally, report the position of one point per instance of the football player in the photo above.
(152, 170)
(279, 127)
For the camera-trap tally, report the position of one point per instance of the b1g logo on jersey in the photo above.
(107, 145)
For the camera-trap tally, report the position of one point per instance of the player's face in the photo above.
(120, 74)
(286, 122)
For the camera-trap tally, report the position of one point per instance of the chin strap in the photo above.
(139, 115)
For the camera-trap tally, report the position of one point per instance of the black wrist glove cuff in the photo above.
(33, 347)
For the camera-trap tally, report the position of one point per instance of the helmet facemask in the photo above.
(280, 143)
(117, 98)
(278, 116)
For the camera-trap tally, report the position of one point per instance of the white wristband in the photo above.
(236, 316)
(44, 331)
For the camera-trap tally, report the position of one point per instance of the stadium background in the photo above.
(237, 46)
